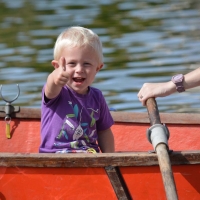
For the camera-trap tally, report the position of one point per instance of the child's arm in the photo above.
(57, 79)
(106, 141)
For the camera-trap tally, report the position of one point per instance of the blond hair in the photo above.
(77, 36)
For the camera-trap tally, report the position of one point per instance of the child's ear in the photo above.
(99, 67)
(55, 64)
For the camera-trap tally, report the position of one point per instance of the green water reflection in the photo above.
(144, 41)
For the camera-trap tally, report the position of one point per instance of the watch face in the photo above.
(178, 81)
(178, 78)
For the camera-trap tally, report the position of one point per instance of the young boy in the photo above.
(75, 116)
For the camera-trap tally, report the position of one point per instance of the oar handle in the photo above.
(153, 111)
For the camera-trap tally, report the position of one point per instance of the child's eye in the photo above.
(71, 64)
(87, 64)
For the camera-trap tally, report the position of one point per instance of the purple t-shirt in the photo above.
(71, 121)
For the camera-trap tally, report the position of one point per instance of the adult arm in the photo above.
(106, 141)
(191, 80)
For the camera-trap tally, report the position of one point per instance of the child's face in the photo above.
(81, 65)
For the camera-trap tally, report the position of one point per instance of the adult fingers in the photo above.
(143, 96)
(140, 94)
(142, 100)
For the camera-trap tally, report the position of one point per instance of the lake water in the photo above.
(143, 41)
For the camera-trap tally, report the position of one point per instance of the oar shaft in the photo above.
(162, 153)
(153, 112)
(166, 171)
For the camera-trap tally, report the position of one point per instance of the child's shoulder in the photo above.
(95, 90)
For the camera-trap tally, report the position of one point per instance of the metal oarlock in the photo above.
(9, 109)
(7, 101)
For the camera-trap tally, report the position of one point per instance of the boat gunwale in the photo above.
(119, 116)
(120, 159)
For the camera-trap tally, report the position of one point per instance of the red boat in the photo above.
(131, 173)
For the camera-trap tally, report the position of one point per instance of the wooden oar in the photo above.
(162, 153)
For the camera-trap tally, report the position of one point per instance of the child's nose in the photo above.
(79, 68)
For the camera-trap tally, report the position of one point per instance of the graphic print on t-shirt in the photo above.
(75, 134)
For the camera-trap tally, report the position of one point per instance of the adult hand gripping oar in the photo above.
(158, 135)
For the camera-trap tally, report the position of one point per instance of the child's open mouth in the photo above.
(78, 80)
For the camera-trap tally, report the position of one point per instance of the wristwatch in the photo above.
(178, 81)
